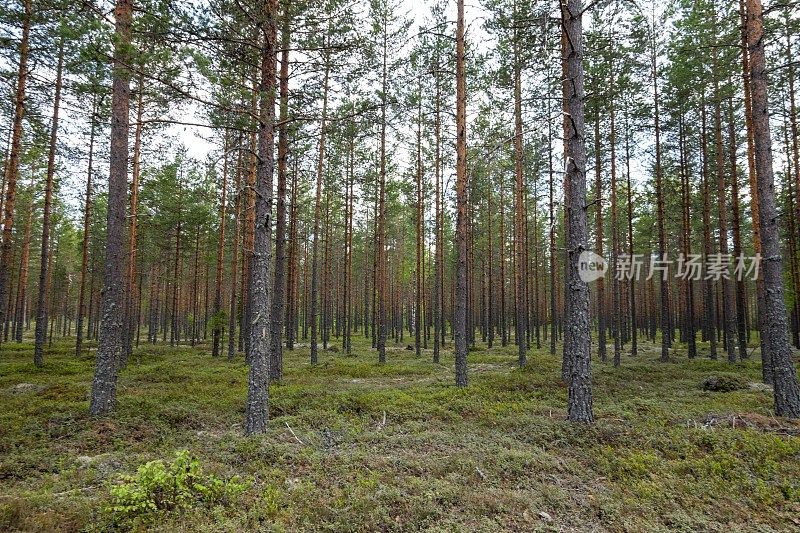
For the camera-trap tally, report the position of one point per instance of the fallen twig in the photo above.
(294, 434)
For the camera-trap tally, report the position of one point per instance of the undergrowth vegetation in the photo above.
(356, 446)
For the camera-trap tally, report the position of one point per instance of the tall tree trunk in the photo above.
(419, 213)
(598, 245)
(710, 314)
(130, 295)
(382, 290)
(41, 305)
(292, 283)
(687, 243)
(279, 290)
(775, 334)
(632, 281)
(257, 407)
(13, 160)
(223, 198)
(237, 224)
(489, 276)
(766, 364)
(87, 218)
(20, 309)
(577, 338)
(741, 296)
(317, 215)
(109, 347)
(728, 309)
(249, 228)
(460, 309)
(552, 232)
(348, 279)
(794, 148)
(438, 297)
(519, 217)
(615, 289)
(174, 332)
(666, 332)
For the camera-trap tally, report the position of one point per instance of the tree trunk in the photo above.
(237, 224)
(130, 296)
(741, 296)
(598, 245)
(775, 334)
(13, 161)
(666, 332)
(41, 305)
(766, 364)
(632, 281)
(418, 217)
(687, 243)
(257, 407)
(728, 310)
(577, 338)
(292, 282)
(317, 215)
(217, 331)
(519, 219)
(438, 297)
(615, 292)
(279, 290)
(710, 315)
(460, 310)
(87, 218)
(109, 347)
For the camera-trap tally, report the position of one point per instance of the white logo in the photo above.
(591, 266)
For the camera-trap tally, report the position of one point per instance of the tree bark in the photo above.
(260, 295)
(766, 365)
(741, 295)
(41, 302)
(317, 215)
(519, 219)
(87, 218)
(710, 314)
(223, 198)
(460, 310)
(775, 333)
(109, 347)
(666, 332)
(728, 309)
(13, 161)
(279, 290)
(577, 338)
(632, 281)
(598, 246)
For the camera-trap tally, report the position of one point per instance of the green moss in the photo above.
(397, 447)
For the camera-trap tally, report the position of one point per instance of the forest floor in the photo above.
(355, 446)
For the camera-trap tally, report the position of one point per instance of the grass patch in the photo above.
(395, 447)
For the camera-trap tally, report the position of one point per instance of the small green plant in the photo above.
(159, 488)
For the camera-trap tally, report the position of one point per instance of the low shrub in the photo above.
(158, 489)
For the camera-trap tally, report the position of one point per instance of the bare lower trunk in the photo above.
(279, 291)
(519, 221)
(766, 364)
(13, 162)
(577, 339)
(87, 217)
(109, 347)
(317, 214)
(775, 334)
(41, 305)
(260, 295)
(460, 310)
